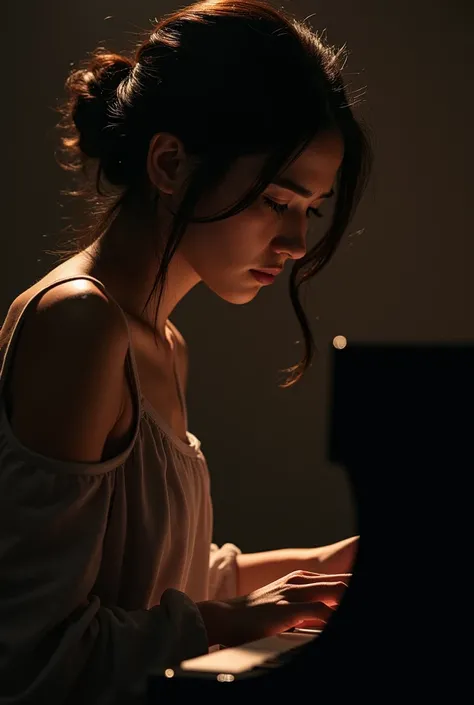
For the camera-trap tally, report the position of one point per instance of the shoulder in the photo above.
(77, 309)
(66, 384)
(67, 303)
(73, 317)
(79, 301)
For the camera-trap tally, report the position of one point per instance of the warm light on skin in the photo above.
(219, 254)
(222, 253)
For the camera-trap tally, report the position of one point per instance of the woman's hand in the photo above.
(298, 598)
(257, 569)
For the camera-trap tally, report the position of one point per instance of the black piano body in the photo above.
(401, 424)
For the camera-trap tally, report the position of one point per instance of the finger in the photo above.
(312, 623)
(317, 612)
(302, 577)
(328, 592)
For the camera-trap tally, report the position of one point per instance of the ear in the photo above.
(167, 163)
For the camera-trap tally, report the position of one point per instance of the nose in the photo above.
(294, 244)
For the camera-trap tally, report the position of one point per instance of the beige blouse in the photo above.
(101, 564)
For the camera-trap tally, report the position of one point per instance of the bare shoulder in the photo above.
(65, 390)
(79, 298)
(65, 298)
(76, 314)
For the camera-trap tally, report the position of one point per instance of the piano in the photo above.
(401, 425)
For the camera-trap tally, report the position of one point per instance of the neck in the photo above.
(125, 259)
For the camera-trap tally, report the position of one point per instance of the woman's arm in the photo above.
(257, 569)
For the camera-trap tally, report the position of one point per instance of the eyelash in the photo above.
(280, 208)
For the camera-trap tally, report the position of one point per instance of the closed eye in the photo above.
(280, 208)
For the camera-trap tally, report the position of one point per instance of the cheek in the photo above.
(236, 241)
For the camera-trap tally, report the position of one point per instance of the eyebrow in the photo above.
(291, 185)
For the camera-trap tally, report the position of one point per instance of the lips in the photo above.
(263, 277)
(274, 271)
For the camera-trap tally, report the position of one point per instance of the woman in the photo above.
(210, 149)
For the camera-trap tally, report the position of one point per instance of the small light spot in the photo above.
(169, 673)
(225, 677)
(339, 342)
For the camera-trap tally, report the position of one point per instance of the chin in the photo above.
(235, 297)
(240, 299)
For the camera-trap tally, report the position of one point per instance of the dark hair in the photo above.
(218, 75)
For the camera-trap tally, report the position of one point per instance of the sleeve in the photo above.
(223, 571)
(58, 643)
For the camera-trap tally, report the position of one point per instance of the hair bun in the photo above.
(92, 89)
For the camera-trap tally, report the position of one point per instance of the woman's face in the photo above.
(222, 254)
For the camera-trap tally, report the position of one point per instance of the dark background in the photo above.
(406, 278)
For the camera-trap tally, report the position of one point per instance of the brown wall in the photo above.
(406, 278)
